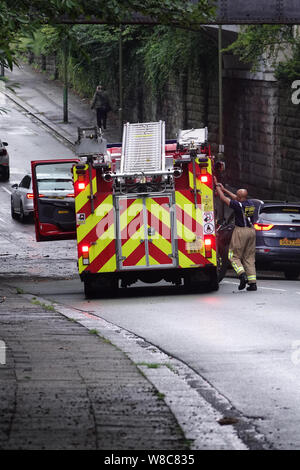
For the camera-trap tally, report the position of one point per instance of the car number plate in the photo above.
(289, 242)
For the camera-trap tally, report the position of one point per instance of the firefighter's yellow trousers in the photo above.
(242, 252)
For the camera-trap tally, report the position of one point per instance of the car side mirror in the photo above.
(14, 186)
(5, 143)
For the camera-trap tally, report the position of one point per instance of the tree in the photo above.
(19, 17)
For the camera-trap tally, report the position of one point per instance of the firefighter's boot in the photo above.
(252, 286)
(243, 281)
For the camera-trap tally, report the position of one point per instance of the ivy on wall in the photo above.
(150, 55)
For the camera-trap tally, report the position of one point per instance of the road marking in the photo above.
(4, 221)
(260, 287)
(7, 190)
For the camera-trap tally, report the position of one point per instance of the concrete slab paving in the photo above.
(63, 387)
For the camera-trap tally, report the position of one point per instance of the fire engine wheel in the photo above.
(96, 289)
(195, 282)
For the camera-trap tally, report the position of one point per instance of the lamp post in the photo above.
(221, 145)
(121, 83)
(66, 79)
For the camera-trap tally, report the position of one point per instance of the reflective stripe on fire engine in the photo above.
(155, 213)
(82, 196)
(98, 232)
(159, 220)
(190, 221)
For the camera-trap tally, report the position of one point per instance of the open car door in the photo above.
(54, 200)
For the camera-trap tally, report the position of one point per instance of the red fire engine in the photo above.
(140, 210)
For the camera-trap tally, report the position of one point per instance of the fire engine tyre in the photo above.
(291, 274)
(94, 289)
(195, 282)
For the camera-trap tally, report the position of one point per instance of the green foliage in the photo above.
(279, 45)
(290, 70)
(262, 43)
(171, 51)
(20, 17)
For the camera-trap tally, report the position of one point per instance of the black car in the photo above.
(4, 161)
(278, 238)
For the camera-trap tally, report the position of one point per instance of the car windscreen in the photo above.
(55, 184)
(281, 214)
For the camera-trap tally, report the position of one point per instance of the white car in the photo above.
(49, 189)
(4, 161)
(22, 199)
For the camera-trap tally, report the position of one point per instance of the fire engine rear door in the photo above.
(54, 205)
(160, 231)
(146, 235)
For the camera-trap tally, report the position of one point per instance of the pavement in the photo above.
(42, 97)
(64, 382)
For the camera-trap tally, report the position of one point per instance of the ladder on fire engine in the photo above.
(143, 148)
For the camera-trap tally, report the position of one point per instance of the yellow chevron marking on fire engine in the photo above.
(191, 182)
(159, 211)
(188, 207)
(83, 197)
(130, 213)
(132, 243)
(184, 261)
(142, 262)
(153, 261)
(161, 243)
(93, 219)
(110, 265)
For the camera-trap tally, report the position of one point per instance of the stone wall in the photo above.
(261, 124)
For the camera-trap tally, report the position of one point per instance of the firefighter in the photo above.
(243, 242)
(101, 103)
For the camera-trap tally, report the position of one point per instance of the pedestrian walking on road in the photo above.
(243, 242)
(102, 106)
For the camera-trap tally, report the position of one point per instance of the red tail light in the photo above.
(263, 227)
(70, 195)
(81, 186)
(208, 247)
(85, 254)
(204, 178)
(29, 196)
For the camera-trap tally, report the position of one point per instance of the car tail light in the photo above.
(85, 254)
(208, 247)
(70, 195)
(29, 195)
(263, 227)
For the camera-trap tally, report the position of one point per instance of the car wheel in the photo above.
(13, 214)
(6, 174)
(291, 274)
(22, 216)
